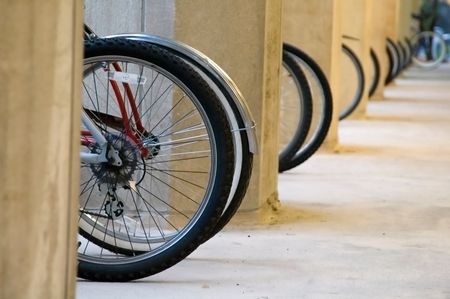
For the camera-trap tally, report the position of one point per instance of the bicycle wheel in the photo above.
(403, 54)
(176, 147)
(394, 61)
(375, 72)
(429, 49)
(295, 110)
(322, 106)
(352, 88)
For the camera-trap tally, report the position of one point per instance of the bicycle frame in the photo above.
(94, 133)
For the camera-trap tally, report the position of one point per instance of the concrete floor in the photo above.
(372, 221)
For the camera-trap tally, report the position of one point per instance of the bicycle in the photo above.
(123, 158)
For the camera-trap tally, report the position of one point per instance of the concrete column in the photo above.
(40, 84)
(392, 13)
(315, 27)
(244, 38)
(356, 20)
(378, 40)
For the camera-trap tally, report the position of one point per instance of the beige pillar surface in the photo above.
(378, 40)
(391, 8)
(404, 10)
(356, 20)
(40, 74)
(244, 38)
(315, 27)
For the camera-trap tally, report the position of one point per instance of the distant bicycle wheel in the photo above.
(401, 58)
(408, 51)
(352, 87)
(429, 49)
(322, 106)
(374, 72)
(393, 60)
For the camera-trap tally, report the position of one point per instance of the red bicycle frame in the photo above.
(133, 134)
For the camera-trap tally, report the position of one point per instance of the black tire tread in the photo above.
(376, 67)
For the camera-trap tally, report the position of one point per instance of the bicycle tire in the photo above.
(437, 42)
(358, 95)
(398, 58)
(394, 61)
(376, 74)
(401, 58)
(295, 110)
(404, 54)
(323, 99)
(143, 263)
(243, 155)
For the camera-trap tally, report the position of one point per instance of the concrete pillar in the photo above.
(404, 11)
(392, 13)
(404, 23)
(356, 21)
(244, 38)
(40, 84)
(315, 27)
(378, 40)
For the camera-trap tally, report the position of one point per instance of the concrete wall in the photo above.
(126, 16)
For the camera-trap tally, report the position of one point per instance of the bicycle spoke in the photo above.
(164, 202)
(181, 160)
